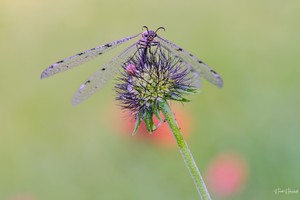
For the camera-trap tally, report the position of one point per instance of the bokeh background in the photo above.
(244, 137)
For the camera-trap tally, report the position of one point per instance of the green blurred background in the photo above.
(52, 150)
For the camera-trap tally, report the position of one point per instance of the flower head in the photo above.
(147, 80)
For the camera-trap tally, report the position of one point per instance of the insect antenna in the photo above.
(145, 27)
(160, 28)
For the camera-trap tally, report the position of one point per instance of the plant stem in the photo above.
(185, 152)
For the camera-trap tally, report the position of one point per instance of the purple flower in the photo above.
(149, 78)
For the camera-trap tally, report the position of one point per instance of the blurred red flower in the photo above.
(23, 197)
(162, 136)
(227, 173)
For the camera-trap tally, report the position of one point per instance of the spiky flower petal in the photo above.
(147, 80)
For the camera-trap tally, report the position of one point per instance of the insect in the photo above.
(149, 40)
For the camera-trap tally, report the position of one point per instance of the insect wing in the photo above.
(82, 57)
(196, 65)
(103, 75)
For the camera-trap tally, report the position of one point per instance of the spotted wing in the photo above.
(82, 57)
(196, 66)
(103, 75)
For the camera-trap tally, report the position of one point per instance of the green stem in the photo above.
(185, 152)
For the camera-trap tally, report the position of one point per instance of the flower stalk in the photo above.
(185, 151)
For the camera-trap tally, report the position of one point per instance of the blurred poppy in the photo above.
(23, 197)
(162, 136)
(227, 174)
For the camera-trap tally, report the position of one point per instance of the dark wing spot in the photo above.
(213, 71)
(191, 55)
(51, 66)
(199, 61)
(179, 49)
(80, 53)
(93, 49)
(60, 61)
(100, 53)
(108, 45)
(103, 69)
(88, 81)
